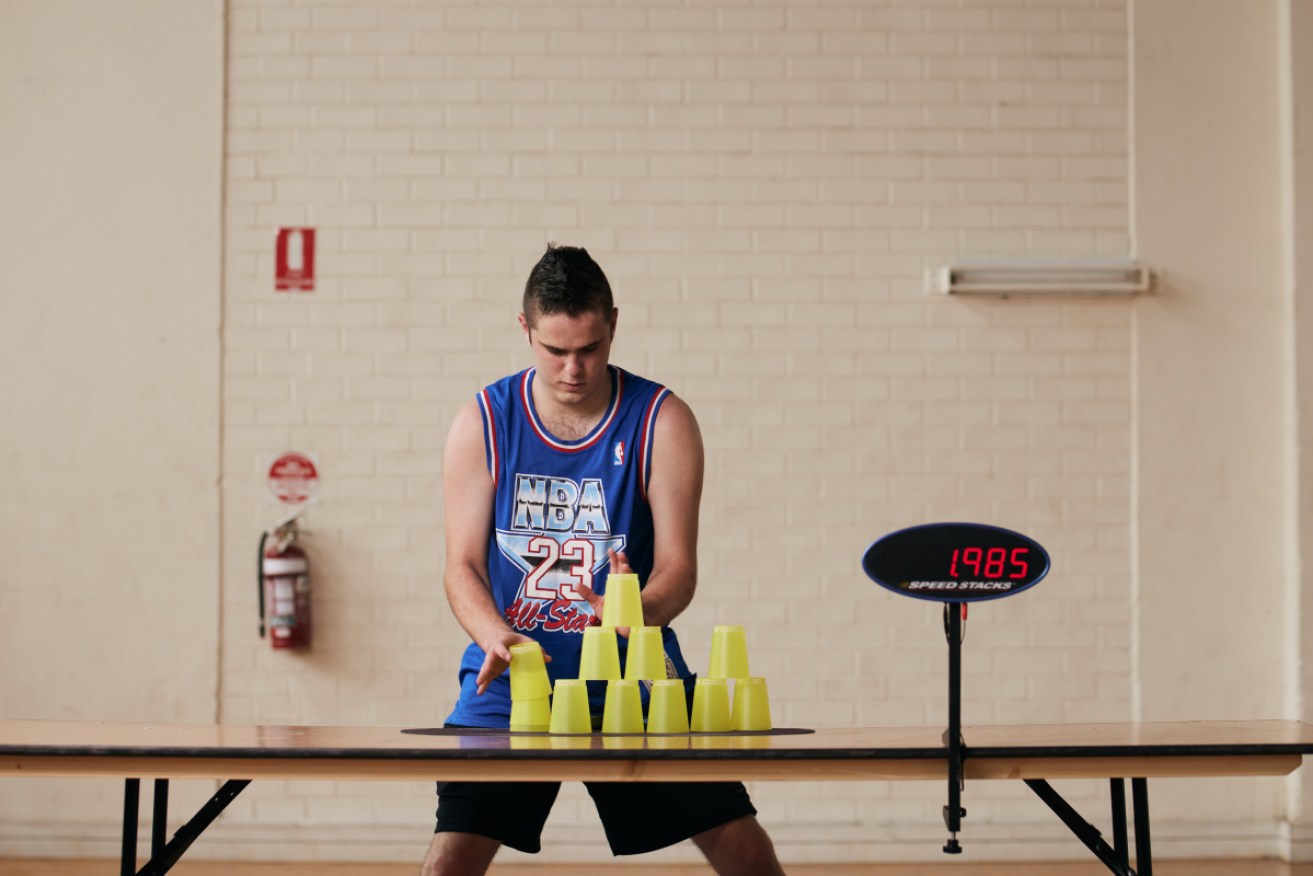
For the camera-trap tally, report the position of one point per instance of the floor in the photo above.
(65, 867)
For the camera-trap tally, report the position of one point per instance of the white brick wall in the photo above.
(766, 184)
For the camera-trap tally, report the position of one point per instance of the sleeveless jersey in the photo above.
(559, 506)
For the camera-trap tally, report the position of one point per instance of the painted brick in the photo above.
(767, 186)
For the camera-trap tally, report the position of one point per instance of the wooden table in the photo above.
(1030, 753)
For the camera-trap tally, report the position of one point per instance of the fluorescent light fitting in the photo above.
(1057, 279)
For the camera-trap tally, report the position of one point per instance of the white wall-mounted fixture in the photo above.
(1089, 278)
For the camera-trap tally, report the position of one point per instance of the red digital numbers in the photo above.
(989, 563)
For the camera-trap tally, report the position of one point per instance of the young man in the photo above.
(553, 478)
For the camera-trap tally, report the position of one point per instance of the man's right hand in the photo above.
(620, 566)
(497, 657)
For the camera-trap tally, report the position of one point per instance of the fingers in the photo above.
(589, 595)
(594, 601)
(497, 659)
(619, 562)
(493, 666)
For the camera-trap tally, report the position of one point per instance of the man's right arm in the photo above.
(468, 495)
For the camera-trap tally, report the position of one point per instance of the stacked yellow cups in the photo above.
(751, 704)
(531, 690)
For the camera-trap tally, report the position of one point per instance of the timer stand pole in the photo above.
(953, 812)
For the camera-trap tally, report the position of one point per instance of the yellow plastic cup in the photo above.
(667, 711)
(624, 601)
(646, 659)
(623, 712)
(729, 653)
(751, 705)
(710, 706)
(600, 660)
(528, 672)
(531, 715)
(570, 707)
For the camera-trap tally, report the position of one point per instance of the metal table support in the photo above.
(164, 855)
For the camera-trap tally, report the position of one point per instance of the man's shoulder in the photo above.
(505, 388)
(510, 379)
(635, 383)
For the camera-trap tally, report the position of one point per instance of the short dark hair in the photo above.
(566, 280)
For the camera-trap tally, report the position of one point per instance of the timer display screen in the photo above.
(956, 562)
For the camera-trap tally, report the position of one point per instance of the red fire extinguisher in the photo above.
(284, 574)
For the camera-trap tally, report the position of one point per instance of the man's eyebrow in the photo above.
(584, 349)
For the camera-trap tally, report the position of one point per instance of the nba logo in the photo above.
(619, 453)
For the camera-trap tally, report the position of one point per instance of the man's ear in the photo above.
(524, 325)
(615, 316)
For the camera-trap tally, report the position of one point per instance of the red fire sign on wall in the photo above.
(294, 478)
(294, 260)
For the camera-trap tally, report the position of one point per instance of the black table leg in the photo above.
(163, 855)
(191, 831)
(1084, 831)
(1120, 841)
(1143, 846)
(131, 801)
(160, 817)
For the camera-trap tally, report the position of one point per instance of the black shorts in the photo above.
(638, 816)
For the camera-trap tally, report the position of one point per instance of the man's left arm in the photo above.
(674, 493)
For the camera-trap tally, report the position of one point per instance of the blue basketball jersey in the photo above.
(560, 505)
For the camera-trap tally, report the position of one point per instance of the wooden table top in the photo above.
(369, 753)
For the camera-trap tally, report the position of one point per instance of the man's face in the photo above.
(571, 354)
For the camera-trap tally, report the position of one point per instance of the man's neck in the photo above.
(570, 421)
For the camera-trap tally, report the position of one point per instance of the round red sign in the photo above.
(293, 478)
